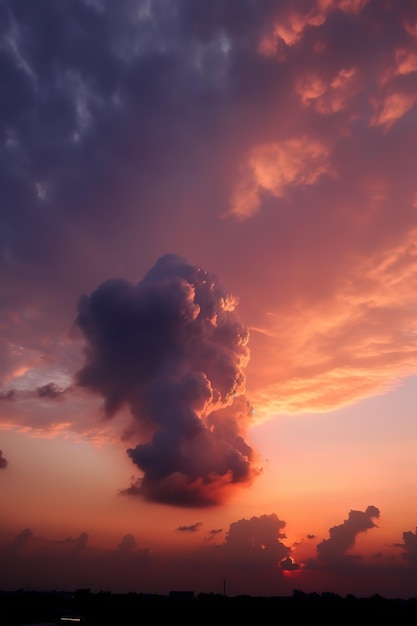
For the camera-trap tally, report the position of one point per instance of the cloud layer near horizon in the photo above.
(254, 557)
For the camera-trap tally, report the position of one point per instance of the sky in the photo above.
(208, 304)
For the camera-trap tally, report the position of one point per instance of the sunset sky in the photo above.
(208, 314)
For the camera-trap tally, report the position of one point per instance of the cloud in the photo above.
(21, 540)
(392, 108)
(50, 390)
(406, 61)
(274, 168)
(410, 547)
(253, 559)
(80, 543)
(288, 565)
(3, 461)
(343, 537)
(127, 545)
(327, 98)
(69, 563)
(253, 544)
(290, 25)
(360, 345)
(193, 528)
(8, 395)
(172, 349)
(213, 533)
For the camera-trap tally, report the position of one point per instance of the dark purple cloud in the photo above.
(127, 545)
(50, 390)
(20, 540)
(288, 565)
(89, 84)
(3, 461)
(255, 543)
(343, 537)
(213, 533)
(8, 395)
(172, 349)
(410, 546)
(192, 528)
(80, 543)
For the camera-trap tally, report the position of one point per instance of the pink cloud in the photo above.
(289, 26)
(406, 61)
(358, 344)
(276, 167)
(329, 97)
(392, 108)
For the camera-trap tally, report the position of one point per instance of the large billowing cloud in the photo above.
(342, 537)
(172, 349)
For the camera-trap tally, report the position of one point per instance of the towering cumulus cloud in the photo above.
(172, 349)
(343, 536)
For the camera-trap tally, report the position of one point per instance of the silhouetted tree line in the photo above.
(133, 609)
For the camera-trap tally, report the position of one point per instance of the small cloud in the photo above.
(213, 533)
(275, 168)
(8, 395)
(406, 61)
(392, 108)
(21, 539)
(134, 489)
(193, 528)
(127, 545)
(327, 97)
(3, 461)
(410, 546)
(288, 565)
(80, 543)
(256, 543)
(51, 390)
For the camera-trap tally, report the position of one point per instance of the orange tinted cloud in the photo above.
(406, 61)
(327, 97)
(289, 26)
(411, 27)
(392, 108)
(276, 167)
(357, 344)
